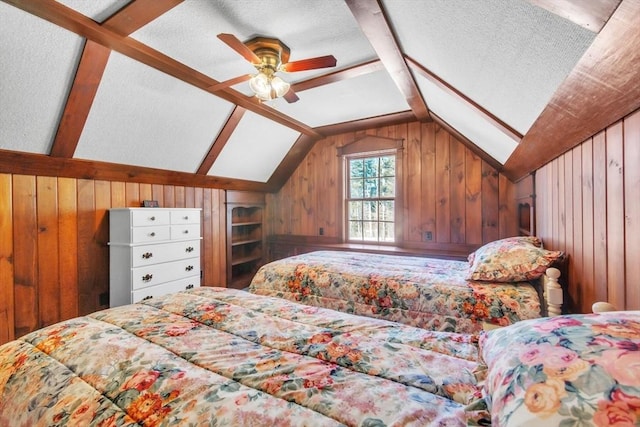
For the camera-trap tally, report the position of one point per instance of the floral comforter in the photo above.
(221, 357)
(575, 370)
(428, 293)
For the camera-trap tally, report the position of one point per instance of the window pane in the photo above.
(371, 188)
(356, 189)
(387, 187)
(388, 166)
(371, 167)
(387, 232)
(386, 210)
(355, 210)
(370, 231)
(369, 180)
(370, 210)
(355, 230)
(356, 168)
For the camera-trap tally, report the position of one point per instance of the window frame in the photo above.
(366, 147)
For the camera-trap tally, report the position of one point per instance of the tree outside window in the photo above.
(371, 198)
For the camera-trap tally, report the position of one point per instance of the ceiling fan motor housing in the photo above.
(272, 52)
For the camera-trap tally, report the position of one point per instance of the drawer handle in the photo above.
(186, 218)
(152, 234)
(189, 286)
(189, 249)
(147, 277)
(147, 297)
(189, 267)
(185, 232)
(147, 255)
(153, 218)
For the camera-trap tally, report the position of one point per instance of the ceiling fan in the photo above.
(270, 56)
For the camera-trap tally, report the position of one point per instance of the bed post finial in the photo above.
(553, 292)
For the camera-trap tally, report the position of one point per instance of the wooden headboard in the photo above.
(525, 198)
(525, 218)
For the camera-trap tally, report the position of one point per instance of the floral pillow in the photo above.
(511, 260)
(563, 371)
(535, 241)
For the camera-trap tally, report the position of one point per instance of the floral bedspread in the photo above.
(428, 293)
(222, 357)
(576, 370)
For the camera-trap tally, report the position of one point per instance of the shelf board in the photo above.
(246, 259)
(237, 224)
(244, 242)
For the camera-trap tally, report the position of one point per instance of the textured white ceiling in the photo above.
(143, 117)
(98, 10)
(365, 96)
(188, 33)
(36, 72)
(507, 55)
(467, 121)
(254, 150)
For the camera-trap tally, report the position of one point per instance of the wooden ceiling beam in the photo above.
(368, 123)
(337, 76)
(221, 140)
(602, 88)
(74, 21)
(376, 28)
(452, 91)
(291, 161)
(468, 143)
(83, 91)
(42, 165)
(91, 68)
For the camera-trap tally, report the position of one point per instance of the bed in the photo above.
(500, 284)
(225, 357)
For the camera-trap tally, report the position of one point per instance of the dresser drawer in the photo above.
(163, 252)
(166, 288)
(151, 275)
(185, 231)
(185, 217)
(144, 217)
(150, 234)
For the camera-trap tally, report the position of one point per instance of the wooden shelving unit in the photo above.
(245, 237)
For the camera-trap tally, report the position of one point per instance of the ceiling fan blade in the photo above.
(234, 43)
(310, 64)
(228, 83)
(291, 96)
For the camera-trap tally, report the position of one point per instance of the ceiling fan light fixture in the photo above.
(280, 86)
(267, 86)
(259, 84)
(269, 56)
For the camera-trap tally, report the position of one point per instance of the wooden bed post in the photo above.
(553, 292)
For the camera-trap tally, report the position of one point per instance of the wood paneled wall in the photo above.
(54, 258)
(588, 204)
(447, 189)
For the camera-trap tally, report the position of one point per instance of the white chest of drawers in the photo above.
(153, 251)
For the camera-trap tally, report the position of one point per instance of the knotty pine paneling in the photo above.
(25, 254)
(7, 289)
(588, 204)
(54, 257)
(446, 188)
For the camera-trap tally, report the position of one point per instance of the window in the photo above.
(372, 201)
(371, 190)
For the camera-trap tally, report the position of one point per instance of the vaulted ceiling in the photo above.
(144, 87)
